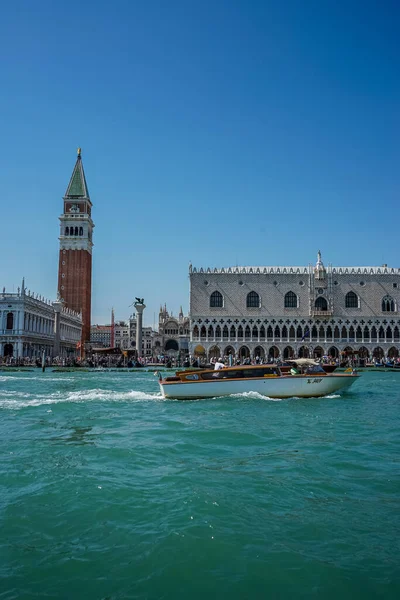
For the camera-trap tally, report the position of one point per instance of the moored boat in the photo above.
(306, 379)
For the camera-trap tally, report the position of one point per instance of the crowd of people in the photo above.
(120, 361)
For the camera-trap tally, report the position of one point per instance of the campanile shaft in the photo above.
(75, 259)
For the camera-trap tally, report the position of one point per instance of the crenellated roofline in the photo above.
(383, 270)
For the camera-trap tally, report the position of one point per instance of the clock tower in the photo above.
(75, 261)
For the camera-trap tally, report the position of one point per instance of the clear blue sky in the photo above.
(219, 132)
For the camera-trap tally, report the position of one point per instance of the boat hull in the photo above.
(300, 386)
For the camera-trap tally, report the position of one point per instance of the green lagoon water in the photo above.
(109, 492)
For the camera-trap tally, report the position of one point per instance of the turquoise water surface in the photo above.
(109, 492)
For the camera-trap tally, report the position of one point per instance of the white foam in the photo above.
(17, 400)
(254, 395)
(42, 378)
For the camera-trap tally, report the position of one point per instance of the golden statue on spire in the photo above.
(79, 151)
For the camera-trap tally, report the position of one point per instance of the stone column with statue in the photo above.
(57, 305)
(139, 307)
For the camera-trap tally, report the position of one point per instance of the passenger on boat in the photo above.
(219, 365)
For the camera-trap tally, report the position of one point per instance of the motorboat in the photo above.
(306, 379)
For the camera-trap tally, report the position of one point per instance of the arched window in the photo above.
(233, 332)
(366, 333)
(314, 332)
(67, 231)
(195, 332)
(388, 304)
(255, 332)
(292, 333)
(240, 332)
(270, 333)
(284, 332)
(247, 332)
(262, 332)
(10, 320)
(253, 300)
(321, 332)
(351, 300)
(80, 230)
(321, 303)
(299, 332)
(290, 300)
(277, 332)
(203, 332)
(218, 331)
(329, 333)
(210, 331)
(225, 332)
(216, 300)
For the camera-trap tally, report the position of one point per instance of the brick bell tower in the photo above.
(75, 262)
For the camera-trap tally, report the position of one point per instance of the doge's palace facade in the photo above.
(295, 311)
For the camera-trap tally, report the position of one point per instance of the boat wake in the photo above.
(257, 396)
(6, 378)
(17, 400)
(254, 396)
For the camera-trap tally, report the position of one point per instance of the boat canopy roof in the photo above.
(303, 362)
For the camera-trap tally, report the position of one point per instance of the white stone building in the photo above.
(121, 332)
(295, 311)
(173, 334)
(27, 326)
(125, 336)
(147, 338)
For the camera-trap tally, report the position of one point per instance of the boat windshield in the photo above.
(305, 366)
(240, 373)
(315, 369)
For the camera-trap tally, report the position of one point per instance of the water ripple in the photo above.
(107, 491)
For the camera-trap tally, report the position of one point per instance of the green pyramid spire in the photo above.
(77, 187)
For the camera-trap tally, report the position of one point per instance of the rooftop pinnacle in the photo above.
(77, 187)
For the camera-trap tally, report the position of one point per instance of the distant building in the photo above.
(295, 311)
(125, 336)
(27, 326)
(171, 338)
(100, 336)
(121, 330)
(147, 338)
(173, 334)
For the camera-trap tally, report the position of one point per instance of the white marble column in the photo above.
(139, 306)
(57, 305)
